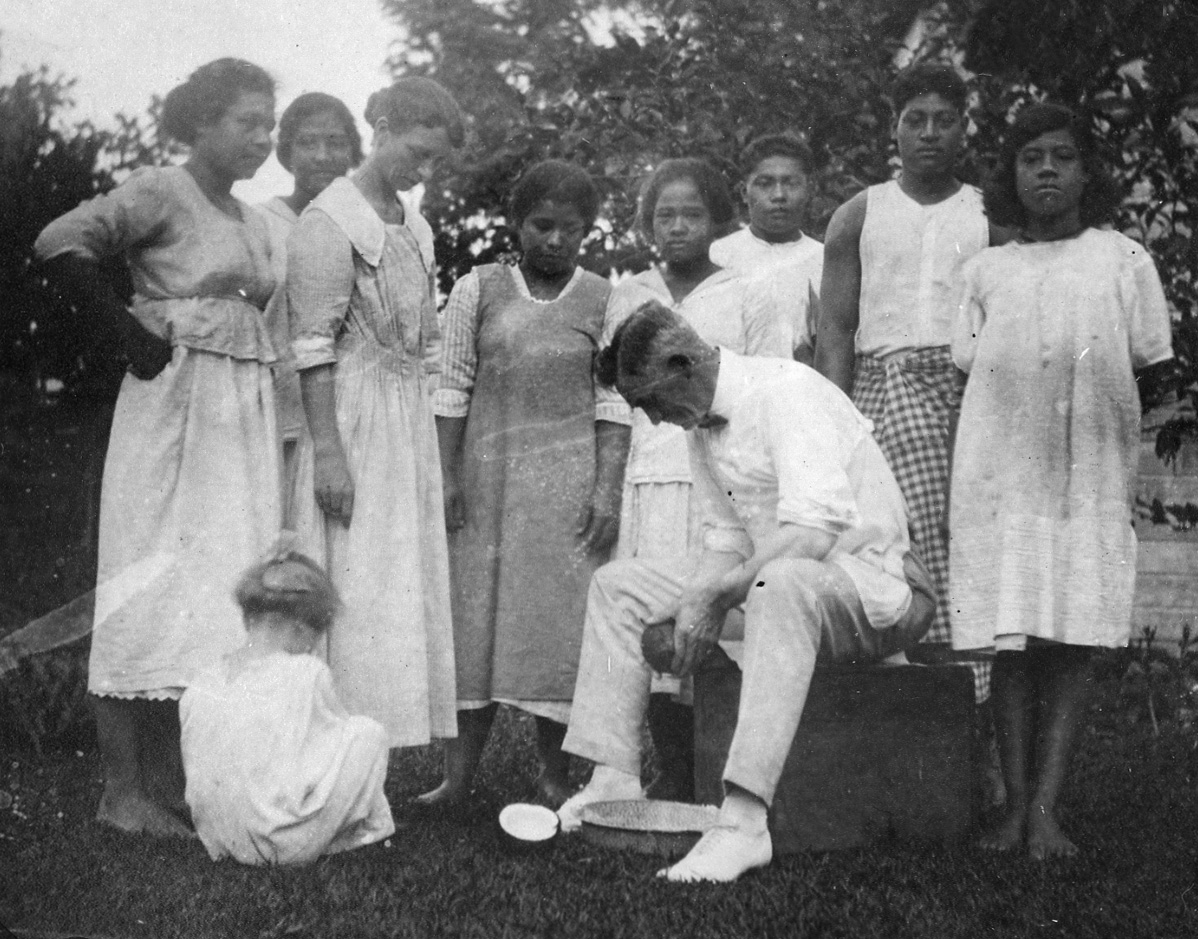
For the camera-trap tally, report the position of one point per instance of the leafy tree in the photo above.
(697, 78)
(700, 77)
(48, 167)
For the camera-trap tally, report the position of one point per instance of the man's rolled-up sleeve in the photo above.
(813, 488)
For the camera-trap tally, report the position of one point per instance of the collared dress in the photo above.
(360, 301)
(1045, 463)
(190, 494)
(519, 370)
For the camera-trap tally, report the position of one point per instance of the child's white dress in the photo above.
(278, 772)
(1044, 467)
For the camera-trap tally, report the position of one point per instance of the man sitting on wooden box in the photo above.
(804, 526)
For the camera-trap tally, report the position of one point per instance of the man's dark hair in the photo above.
(774, 145)
(929, 78)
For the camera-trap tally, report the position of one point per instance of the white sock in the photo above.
(744, 811)
(607, 784)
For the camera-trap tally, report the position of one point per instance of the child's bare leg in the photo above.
(553, 782)
(462, 756)
(1013, 699)
(1064, 685)
(124, 804)
(161, 755)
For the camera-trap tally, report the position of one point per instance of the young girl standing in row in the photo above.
(1056, 330)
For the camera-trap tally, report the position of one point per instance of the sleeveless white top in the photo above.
(911, 261)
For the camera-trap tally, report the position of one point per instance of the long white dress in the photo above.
(278, 772)
(1043, 471)
(360, 299)
(190, 496)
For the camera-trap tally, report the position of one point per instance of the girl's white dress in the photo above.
(278, 772)
(1042, 543)
(360, 300)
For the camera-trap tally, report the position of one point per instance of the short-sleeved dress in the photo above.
(1044, 467)
(278, 772)
(359, 296)
(520, 371)
(190, 495)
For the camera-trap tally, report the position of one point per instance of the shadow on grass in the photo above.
(1132, 806)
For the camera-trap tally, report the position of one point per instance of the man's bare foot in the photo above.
(722, 855)
(136, 814)
(1045, 839)
(1007, 834)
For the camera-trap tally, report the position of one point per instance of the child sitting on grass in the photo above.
(278, 772)
(1065, 334)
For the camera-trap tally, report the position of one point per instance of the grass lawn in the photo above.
(1132, 806)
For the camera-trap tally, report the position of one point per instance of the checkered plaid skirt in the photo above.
(909, 399)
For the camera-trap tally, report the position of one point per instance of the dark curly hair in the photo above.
(929, 78)
(306, 106)
(556, 181)
(710, 183)
(208, 93)
(417, 101)
(1101, 195)
(775, 145)
(291, 584)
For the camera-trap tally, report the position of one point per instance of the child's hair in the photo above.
(555, 181)
(208, 93)
(309, 105)
(774, 145)
(291, 584)
(929, 78)
(1101, 195)
(418, 102)
(713, 190)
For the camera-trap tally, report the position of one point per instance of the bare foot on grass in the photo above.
(136, 814)
(1045, 839)
(1007, 834)
(446, 798)
(722, 855)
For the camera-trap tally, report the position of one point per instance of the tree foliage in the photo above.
(700, 77)
(47, 167)
(696, 78)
